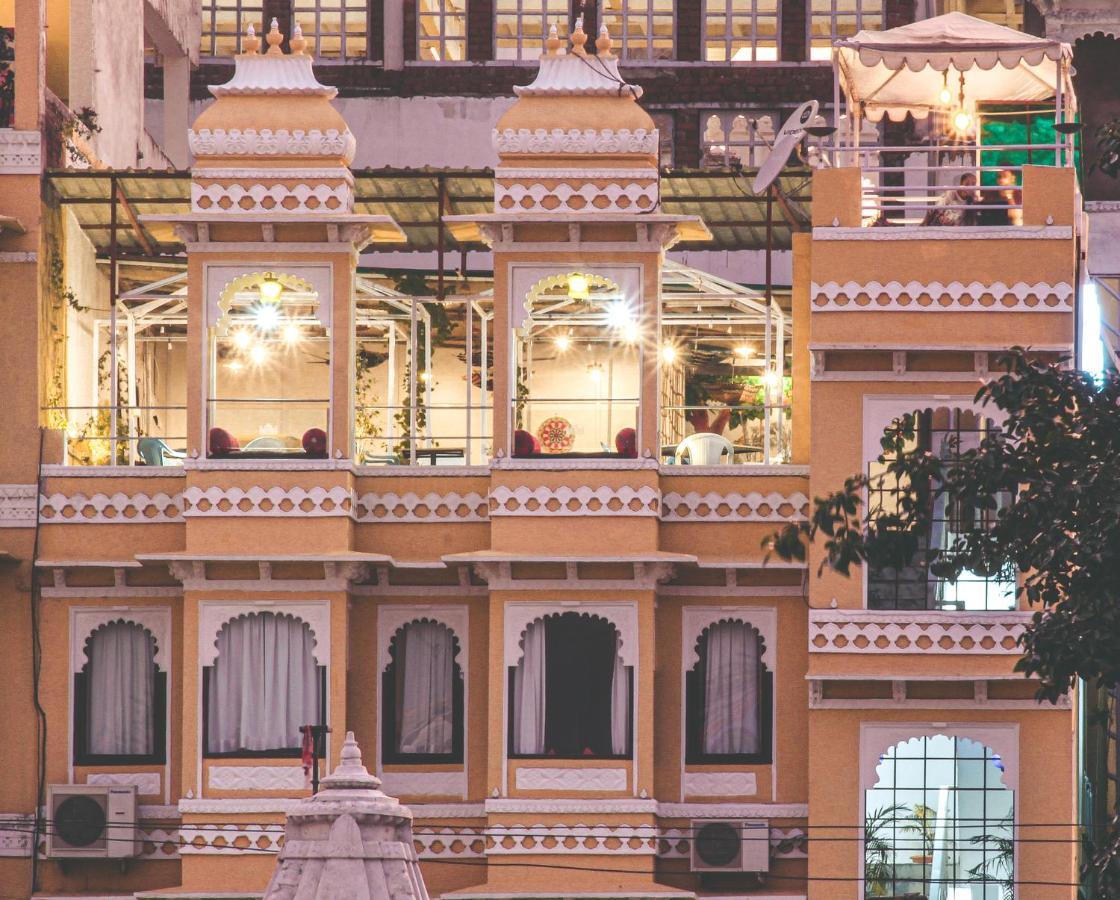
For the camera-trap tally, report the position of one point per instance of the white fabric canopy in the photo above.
(902, 70)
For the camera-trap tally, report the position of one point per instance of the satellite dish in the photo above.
(789, 137)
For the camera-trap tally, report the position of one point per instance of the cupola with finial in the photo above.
(576, 139)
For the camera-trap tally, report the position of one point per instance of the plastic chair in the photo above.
(154, 452)
(704, 449)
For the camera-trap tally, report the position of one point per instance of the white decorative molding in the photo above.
(622, 614)
(274, 501)
(785, 843)
(695, 619)
(424, 784)
(214, 614)
(256, 778)
(584, 807)
(629, 197)
(19, 256)
(276, 198)
(625, 840)
(577, 501)
(158, 842)
(224, 839)
(238, 806)
(440, 811)
(901, 631)
(17, 505)
(733, 507)
(20, 152)
(431, 507)
(587, 141)
(541, 778)
(737, 470)
(281, 142)
(720, 784)
(118, 508)
(733, 810)
(147, 783)
(16, 834)
(84, 621)
(582, 173)
(448, 843)
(946, 233)
(934, 296)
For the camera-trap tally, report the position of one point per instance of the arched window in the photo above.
(120, 698)
(422, 696)
(939, 822)
(570, 693)
(729, 697)
(264, 684)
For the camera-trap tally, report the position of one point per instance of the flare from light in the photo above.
(744, 351)
(234, 365)
(596, 372)
(619, 315)
(563, 343)
(962, 121)
(945, 97)
(258, 355)
(771, 380)
(292, 333)
(579, 287)
(242, 339)
(270, 288)
(267, 316)
(668, 354)
(630, 332)
(425, 377)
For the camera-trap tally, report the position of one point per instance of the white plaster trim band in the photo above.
(733, 810)
(632, 840)
(258, 174)
(20, 152)
(856, 297)
(220, 839)
(274, 501)
(737, 470)
(118, 508)
(238, 805)
(256, 778)
(84, 621)
(440, 811)
(896, 631)
(147, 783)
(214, 614)
(431, 507)
(720, 784)
(582, 174)
(424, 784)
(19, 256)
(541, 778)
(15, 834)
(631, 193)
(734, 507)
(281, 142)
(575, 140)
(309, 198)
(17, 505)
(579, 501)
(568, 807)
(785, 843)
(946, 233)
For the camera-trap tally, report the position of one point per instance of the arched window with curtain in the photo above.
(264, 684)
(120, 698)
(729, 697)
(422, 696)
(571, 692)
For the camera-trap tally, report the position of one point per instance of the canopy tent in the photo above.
(904, 70)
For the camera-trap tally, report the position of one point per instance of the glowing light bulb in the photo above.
(962, 120)
(579, 287)
(596, 372)
(234, 365)
(743, 351)
(619, 315)
(270, 288)
(945, 97)
(267, 316)
(563, 343)
(668, 354)
(425, 377)
(258, 355)
(630, 332)
(292, 333)
(242, 339)
(771, 380)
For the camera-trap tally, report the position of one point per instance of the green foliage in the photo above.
(1108, 149)
(81, 124)
(878, 827)
(997, 868)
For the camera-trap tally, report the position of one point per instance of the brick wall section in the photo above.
(795, 29)
(690, 29)
(409, 28)
(480, 30)
(375, 29)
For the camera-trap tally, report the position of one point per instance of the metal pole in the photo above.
(768, 344)
(113, 411)
(130, 385)
(467, 453)
(414, 376)
(485, 368)
(391, 392)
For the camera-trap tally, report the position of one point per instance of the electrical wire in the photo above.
(36, 670)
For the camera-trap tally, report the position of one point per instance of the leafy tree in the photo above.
(1048, 478)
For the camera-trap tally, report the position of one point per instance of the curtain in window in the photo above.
(121, 690)
(731, 690)
(425, 688)
(620, 702)
(529, 693)
(264, 684)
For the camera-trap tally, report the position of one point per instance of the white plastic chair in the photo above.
(705, 449)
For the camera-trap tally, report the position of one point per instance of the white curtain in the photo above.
(529, 693)
(425, 679)
(620, 703)
(263, 686)
(121, 690)
(732, 690)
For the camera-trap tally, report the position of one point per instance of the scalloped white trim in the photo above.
(583, 174)
(120, 508)
(220, 839)
(271, 197)
(431, 507)
(892, 631)
(621, 197)
(575, 140)
(734, 507)
(853, 296)
(508, 840)
(281, 142)
(273, 501)
(17, 505)
(580, 501)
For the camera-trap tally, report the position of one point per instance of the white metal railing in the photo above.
(109, 435)
(754, 433)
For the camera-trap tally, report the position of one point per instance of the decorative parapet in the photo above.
(574, 501)
(21, 152)
(733, 507)
(899, 631)
(587, 141)
(17, 505)
(914, 296)
(139, 508)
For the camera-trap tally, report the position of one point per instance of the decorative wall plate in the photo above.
(556, 435)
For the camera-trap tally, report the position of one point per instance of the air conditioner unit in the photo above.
(92, 821)
(730, 845)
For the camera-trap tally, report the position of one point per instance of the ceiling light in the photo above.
(668, 354)
(270, 288)
(258, 354)
(619, 315)
(962, 121)
(267, 316)
(579, 286)
(771, 380)
(563, 343)
(425, 377)
(744, 351)
(630, 332)
(596, 372)
(292, 333)
(234, 365)
(242, 339)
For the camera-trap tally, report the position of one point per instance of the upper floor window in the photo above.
(643, 29)
(939, 822)
(948, 433)
(441, 30)
(264, 685)
(729, 697)
(834, 20)
(521, 26)
(740, 30)
(570, 691)
(120, 698)
(422, 705)
(224, 22)
(733, 139)
(334, 29)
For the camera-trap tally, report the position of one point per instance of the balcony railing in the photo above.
(703, 435)
(120, 435)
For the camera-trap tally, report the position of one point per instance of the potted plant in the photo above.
(922, 821)
(878, 870)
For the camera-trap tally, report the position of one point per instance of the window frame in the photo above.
(314, 35)
(831, 16)
(620, 33)
(730, 17)
(441, 40)
(209, 11)
(519, 15)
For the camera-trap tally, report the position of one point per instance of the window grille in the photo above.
(741, 30)
(641, 29)
(441, 30)
(224, 23)
(521, 26)
(834, 20)
(334, 29)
